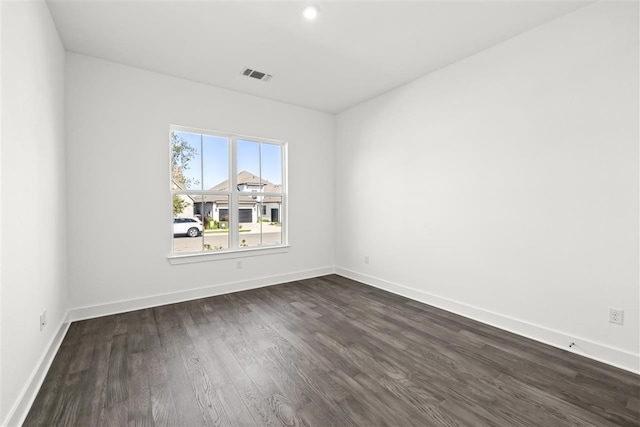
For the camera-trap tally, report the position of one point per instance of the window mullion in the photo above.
(261, 188)
(284, 212)
(233, 196)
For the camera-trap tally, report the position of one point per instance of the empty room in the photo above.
(324, 213)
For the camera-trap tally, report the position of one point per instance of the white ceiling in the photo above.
(354, 51)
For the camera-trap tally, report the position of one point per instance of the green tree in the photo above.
(178, 205)
(181, 154)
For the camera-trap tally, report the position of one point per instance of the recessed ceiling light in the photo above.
(310, 12)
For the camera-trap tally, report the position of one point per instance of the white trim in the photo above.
(189, 129)
(584, 347)
(226, 254)
(234, 234)
(123, 306)
(284, 206)
(27, 396)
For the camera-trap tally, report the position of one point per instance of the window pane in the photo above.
(249, 228)
(259, 230)
(215, 160)
(272, 222)
(272, 167)
(186, 158)
(216, 222)
(187, 228)
(248, 159)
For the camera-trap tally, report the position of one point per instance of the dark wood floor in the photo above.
(321, 352)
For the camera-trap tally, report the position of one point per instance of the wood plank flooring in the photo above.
(320, 352)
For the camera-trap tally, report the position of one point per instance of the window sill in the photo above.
(231, 254)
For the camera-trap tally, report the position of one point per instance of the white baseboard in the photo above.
(20, 409)
(584, 347)
(191, 294)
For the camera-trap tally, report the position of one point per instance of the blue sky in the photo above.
(214, 156)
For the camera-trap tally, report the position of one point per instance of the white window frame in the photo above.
(234, 250)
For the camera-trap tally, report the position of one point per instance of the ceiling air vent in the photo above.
(256, 74)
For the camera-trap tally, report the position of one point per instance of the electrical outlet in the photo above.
(616, 316)
(366, 259)
(43, 320)
(238, 265)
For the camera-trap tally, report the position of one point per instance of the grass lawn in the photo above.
(223, 231)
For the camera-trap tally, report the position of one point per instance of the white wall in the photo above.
(2, 404)
(33, 222)
(119, 207)
(512, 184)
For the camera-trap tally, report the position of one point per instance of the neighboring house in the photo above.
(250, 208)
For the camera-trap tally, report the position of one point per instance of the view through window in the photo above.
(228, 192)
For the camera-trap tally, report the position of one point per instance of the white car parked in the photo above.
(191, 227)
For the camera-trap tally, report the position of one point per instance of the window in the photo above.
(228, 192)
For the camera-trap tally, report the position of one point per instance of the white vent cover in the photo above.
(259, 75)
